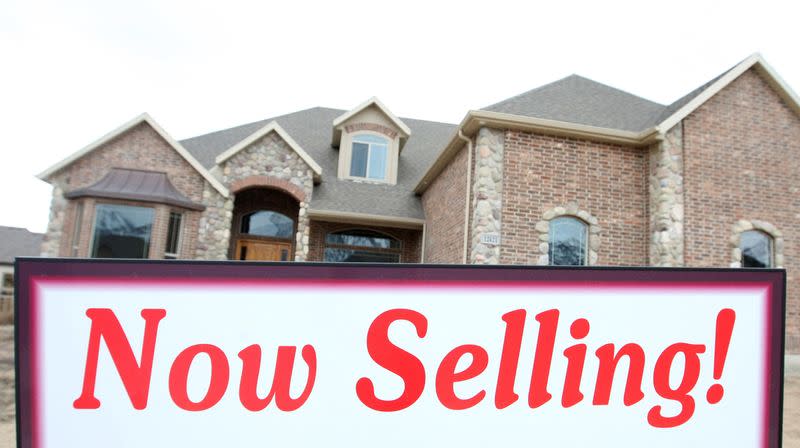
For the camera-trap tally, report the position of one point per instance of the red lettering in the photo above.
(571, 395)
(691, 373)
(135, 376)
(545, 345)
(179, 376)
(394, 359)
(608, 365)
(509, 360)
(446, 376)
(281, 382)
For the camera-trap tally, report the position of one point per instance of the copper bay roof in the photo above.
(136, 185)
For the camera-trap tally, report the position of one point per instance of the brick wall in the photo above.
(608, 181)
(409, 238)
(138, 148)
(742, 161)
(443, 203)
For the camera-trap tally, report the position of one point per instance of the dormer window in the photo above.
(369, 157)
(369, 139)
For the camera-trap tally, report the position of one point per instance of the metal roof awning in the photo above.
(136, 185)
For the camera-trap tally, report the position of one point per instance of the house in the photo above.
(571, 173)
(14, 242)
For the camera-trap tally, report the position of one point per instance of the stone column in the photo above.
(303, 233)
(667, 200)
(487, 189)
(214, 229)
(51, 243)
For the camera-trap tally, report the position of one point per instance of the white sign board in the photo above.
(139, 354)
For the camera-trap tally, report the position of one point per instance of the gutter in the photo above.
(467, 194)
(476, 119)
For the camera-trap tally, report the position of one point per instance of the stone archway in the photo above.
(268, 193)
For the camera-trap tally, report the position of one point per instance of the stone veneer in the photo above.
(487, 188)
(271, 157)
(51, 242)
(666, 200)
(743, 225)
(214, 231)
(571, 209)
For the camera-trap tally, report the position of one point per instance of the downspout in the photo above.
(468, 191)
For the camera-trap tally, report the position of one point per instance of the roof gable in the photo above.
(272, 126)
(373, 102)
(143, 118)
(688, 104)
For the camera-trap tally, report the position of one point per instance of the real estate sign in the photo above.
(133, 354)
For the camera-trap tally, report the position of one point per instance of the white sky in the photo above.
(70, 71)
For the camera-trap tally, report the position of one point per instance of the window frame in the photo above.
(770, 246)
(179, 240)
(585, 246)
(93, 239)
(387, 145)
(379, 250)
(243, 215)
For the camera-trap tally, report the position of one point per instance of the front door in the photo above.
(262, 250)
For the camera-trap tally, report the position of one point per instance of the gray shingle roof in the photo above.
(312, 128)
(18, 242)
(575, 99)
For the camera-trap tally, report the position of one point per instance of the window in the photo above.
(122, 231)
(567, 242)
(173, 236)
(369, 155)
(267, 223)
(756, 249)
(361, 246)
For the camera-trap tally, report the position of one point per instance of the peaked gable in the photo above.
(694, 100)
(143, 118)
(272, 126)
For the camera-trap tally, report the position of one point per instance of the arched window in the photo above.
(361, 246)
(568, 238)
(369, 155)
(756, 247)
(267, 223)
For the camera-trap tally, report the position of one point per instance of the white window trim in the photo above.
(386, 146)
(346, 158)
(179, 241)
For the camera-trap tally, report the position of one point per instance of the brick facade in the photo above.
(608, 181)
(444, 203)
(138, 148)
(741, 156)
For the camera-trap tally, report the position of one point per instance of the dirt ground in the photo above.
(791, 408)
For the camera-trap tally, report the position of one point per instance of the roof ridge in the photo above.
(263, 122)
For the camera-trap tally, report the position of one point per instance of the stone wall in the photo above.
(487, 202)
(666, 200)
(742, 162)
(271, 158)
(214, 229)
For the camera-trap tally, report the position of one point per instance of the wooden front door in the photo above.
(258, 250)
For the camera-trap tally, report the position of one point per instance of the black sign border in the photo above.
(27, 268)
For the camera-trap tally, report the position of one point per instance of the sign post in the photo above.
(131, 354)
